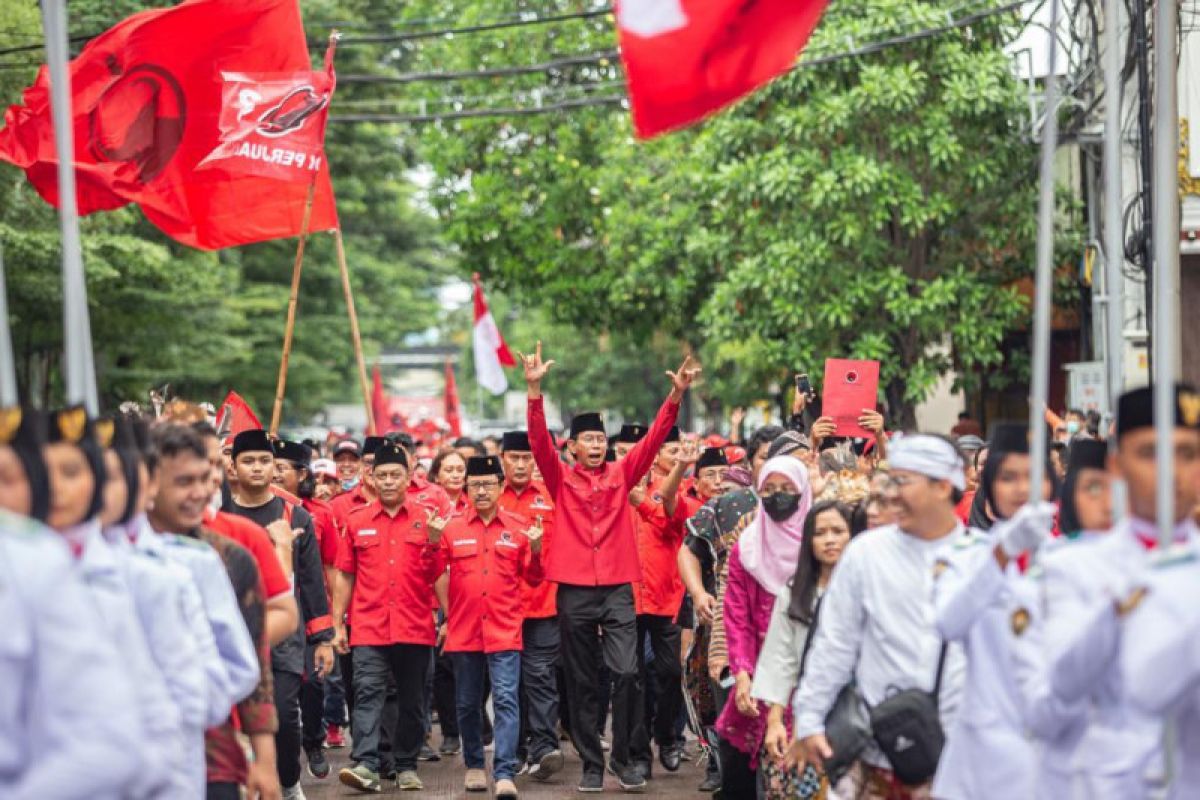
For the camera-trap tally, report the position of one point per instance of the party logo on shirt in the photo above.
(539, 502)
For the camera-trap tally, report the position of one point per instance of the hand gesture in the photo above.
(737, 416)
(683, 378)
(689, 454)
(283, 534)
(535, 368)
(871, 420)
(436, 525)
(799, 402)
(534, 535)
(776, 740)
(637, 494)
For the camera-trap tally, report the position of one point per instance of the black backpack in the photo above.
(908, 730)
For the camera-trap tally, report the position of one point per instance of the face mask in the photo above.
(1073, 427)
(781, 505)
(350, 484)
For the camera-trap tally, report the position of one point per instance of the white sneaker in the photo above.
(294, 793)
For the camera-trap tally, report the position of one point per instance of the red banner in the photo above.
(147, 106)
(850, 388)
(685, 59)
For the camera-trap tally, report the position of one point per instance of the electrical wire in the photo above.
(397, 38)
(424, 77)
(416, 23)
(475, 113)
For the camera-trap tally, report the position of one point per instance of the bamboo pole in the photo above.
(290, 328)
(355, 336)
(8, 364)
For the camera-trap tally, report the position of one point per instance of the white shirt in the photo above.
(877, 627)
(778, 669)
(1160, 657)
(1120, 746)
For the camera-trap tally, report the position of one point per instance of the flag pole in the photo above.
(1114, 233)
(1166, 260)
(8, 366)
(355, 336)
(1043, 285)
(79, 367)
(290, 328)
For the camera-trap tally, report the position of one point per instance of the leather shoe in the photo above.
(670, 756)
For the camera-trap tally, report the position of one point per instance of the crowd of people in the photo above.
(201, 615)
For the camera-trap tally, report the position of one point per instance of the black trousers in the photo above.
(312, 705)
(287, 738)
(583, 611)
(539, 689)
(443, 695)
(665, 642)
(407, 665)
(738, 780)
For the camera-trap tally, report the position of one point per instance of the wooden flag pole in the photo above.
(290, 328)
(355, 336)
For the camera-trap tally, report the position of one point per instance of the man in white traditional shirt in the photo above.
(876, 624)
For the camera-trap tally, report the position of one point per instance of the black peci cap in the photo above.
(299, 454)
(632, 433)
(390, 453)
(1087, 454)
(1135, 409)
(252, 441)
(712, 457)
(516, 442)
(587, 422)
(371, 444)
(484, 465)
(1008, 437)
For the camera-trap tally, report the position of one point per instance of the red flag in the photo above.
(147, 104)
(379, 404)
(685, 59)
(236, 416)
(452, 418)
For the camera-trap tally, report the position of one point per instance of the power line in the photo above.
(528, 111)
(537, 94)
(424, 77)
(397, 38)
(867, 49)
(42, 45)
(415, 23)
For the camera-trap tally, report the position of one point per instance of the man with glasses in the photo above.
(539, 659)
(489, 551)
(877, 624)
(594, 561)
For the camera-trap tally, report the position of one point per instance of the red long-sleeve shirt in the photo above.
(533, 503)
(595, 539)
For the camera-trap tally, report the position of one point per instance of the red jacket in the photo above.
(595, 541)
(534, 503)
(252, 536)
(660, 591)
(394, 567)
(325, 526)
(486, 561)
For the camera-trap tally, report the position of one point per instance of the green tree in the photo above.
(874, 207)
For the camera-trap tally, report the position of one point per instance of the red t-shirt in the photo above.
(254, 538)
(486, 561)
(394, 568)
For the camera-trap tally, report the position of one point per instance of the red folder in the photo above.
(850, 387)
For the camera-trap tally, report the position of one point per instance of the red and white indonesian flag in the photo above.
(685, 59)
(491, 353)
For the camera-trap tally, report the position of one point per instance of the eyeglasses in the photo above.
(477, 486)
(898, 481)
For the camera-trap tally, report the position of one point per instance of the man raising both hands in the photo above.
(594, 562)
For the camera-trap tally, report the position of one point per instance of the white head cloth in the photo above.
(931, 456)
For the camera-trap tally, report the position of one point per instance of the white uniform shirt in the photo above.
(992, 612)
(1160, 657)
(69, 722)
(778, 671)
(109, 591)
(877, 627)
(1120, 747)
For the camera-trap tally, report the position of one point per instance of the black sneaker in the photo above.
(644, 768)
(428, 754)
(592, 782)
(670, 756)
(450, 746)
(318, 767)
(546, 765)
(631, 780)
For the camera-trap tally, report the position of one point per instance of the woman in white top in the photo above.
(826, 534)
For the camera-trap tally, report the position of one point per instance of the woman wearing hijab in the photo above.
(1087, 492)
(760, 566)
(827, 531)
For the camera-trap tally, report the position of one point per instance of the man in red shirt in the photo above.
(489, 550)
(386, 569)
(347, 457)
(594, 561)
(630, 434)
(539, 658)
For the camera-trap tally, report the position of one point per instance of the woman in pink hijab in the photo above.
(760, 565)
